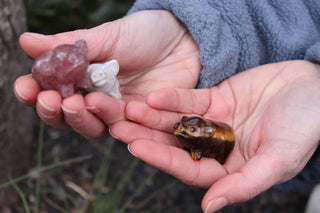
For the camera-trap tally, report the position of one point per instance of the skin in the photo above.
(274, 110)
(143, 68)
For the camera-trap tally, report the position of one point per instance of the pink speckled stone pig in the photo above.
(63, 68)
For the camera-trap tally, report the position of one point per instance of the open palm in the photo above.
(274, 110)
(153, 49)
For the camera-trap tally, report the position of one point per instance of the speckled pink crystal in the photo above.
(63, 68)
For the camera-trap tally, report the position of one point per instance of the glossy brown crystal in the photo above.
(205, 138)
(63, 68)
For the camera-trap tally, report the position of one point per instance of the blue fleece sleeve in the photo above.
(234, 36)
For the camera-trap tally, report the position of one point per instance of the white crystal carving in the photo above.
(104, 78)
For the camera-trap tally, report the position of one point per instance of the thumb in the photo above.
(259, 174)
(107, 34)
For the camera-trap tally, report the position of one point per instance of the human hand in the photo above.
(153, 49)
(274, 110)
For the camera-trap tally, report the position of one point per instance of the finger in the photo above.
(26, 90)
(193, 101)
(259, 174)
(34, 44)
(80, 119)
(214, 103)
(147, 116)
(127, 132)
(177, 162)
(49, 110)
(108, 109)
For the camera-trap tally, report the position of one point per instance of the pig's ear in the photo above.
(82, 44)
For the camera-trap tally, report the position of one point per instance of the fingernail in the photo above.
(93, 109)
(69, 113)
(23, 98)
(38, 35)
(48, 111)
(131, 118)
(128, 146)
(216, 204)
(110, 133)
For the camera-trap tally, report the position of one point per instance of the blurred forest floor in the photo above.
(82, 175)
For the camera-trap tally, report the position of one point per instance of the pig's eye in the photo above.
(192, 129)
